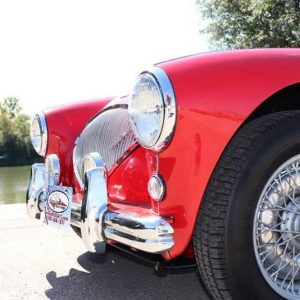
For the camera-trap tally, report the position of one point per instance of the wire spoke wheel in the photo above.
(276, 230)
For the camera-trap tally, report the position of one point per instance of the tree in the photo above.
(15, 144)
(251, 23)
(10, 106)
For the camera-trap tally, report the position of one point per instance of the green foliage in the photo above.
(15, 144)
(10, 106)
(252, 24)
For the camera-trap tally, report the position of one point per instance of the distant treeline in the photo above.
(15, 144)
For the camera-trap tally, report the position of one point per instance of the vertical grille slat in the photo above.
(109, 134)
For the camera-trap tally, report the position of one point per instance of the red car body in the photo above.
(216, 93)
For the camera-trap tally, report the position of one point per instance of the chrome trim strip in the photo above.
(77, 175)
(117, 102)
(123, 157)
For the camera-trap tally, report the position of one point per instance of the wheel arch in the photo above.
(284, 99)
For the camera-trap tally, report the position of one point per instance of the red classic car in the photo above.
(202, 160)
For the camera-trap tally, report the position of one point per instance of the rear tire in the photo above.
(226, 236)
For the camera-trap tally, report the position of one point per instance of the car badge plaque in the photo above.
(58, 207)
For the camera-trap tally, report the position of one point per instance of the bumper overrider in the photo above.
(98, 224)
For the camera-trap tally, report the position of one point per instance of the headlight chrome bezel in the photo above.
(40, 147)
(167, 129)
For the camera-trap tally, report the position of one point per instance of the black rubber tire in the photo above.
(223, 241)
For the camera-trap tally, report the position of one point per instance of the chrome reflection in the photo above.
(151, 233)
(146, 231)
(166, 107)
(52, 170)
(276, 230)
(169, 107)
(35, 191)
(93, 208)
(39, 134)
(109, 134)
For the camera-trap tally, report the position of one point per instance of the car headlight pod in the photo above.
(152, 109)
(39, 134)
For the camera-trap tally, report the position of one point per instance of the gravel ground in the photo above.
(38, 262)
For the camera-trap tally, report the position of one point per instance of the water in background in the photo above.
(13, 184)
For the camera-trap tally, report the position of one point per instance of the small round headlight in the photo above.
(39, 134)
(152, 109)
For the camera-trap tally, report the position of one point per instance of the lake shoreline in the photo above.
(13, 184)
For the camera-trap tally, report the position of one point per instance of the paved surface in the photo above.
(38, 262)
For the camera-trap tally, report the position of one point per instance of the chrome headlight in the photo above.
(39, 134)
(152, 109)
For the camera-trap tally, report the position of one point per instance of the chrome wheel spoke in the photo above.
(280, 231)
(270, 228)
(281, 260)
(282, 267)
(276, 231)
(285, 278)
(278, 208)
(280, 244)
(292, 281)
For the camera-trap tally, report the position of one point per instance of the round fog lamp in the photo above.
(156, 187)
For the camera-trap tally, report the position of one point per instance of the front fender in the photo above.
(215, 93)
(65, 123)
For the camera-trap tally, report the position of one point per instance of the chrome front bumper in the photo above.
(98, 224)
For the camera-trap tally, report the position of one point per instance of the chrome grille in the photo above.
(109, 134)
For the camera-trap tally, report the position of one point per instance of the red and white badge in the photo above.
(58, 207)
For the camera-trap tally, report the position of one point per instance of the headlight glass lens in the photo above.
(38, 134)
(146, 109)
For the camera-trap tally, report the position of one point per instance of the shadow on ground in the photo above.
(119, 276)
